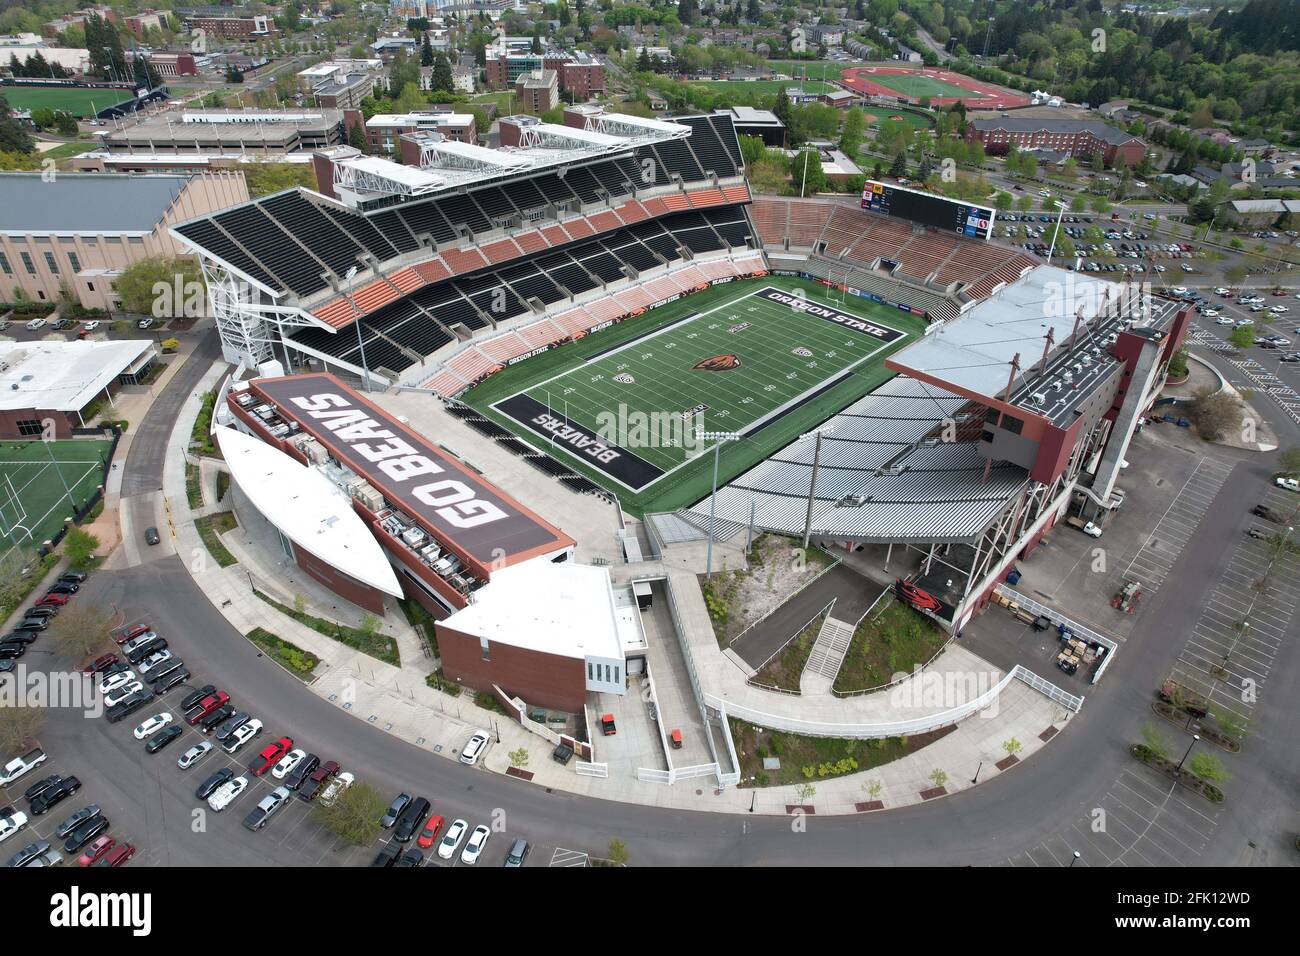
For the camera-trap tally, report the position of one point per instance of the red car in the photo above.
(53, 600)
(132, 633)
(99, 664)
(270, 755)
(432, 830)
(96, 850)
(207, 705)
(116, 856)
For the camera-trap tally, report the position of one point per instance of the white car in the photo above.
(225, 794)
(474, 848)
(113, 681)
(242, 735)
(1242, 323)
(336, 788)
(266, 808)
(286, 764)
(193, 755)
(1222, 291)
(153, 660)
(1290, 484)
(123, 692)
(1279, 309)
(1210, 313)
(155, 723)
(90, 326)
(451, 839)
(1091, 530)
(474, 749)
(144, 324)
(12, 824)
(135, 643)
(1224, 321)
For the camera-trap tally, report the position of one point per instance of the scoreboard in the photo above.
(949, 215)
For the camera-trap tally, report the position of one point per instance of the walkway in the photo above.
(825, 658)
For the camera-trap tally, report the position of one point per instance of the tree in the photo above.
(1289, 459)
(518, 758)
(537, 43)
(1243, 336)
(1155, 742)
(139, 285)
(806, 170)
(13, 137)
(618, 854)
(266, 178)
(79, 548)
(898, 168)
(939, 777)
(1012, 746)
(783, 110)
(357, 138)
(442, 78)
(1208, 767)
(354, 814)
(853, 131)
(426, 52)
(80, 630)
(19, 727)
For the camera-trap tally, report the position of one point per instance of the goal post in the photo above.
(839, 280)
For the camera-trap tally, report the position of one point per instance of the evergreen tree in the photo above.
(13, 137)
(537, 43)
(442, 78)
(898, 169)
(426, 51)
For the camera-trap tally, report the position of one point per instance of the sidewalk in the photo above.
(397, 700)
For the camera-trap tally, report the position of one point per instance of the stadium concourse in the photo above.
(964, 404)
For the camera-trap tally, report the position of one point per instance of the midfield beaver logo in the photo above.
(717, 363)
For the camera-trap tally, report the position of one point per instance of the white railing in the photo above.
(654, 776)
(1046, 687)
(591, 769)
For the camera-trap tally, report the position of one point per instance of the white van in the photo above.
(35, 324)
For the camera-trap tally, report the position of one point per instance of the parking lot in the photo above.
(1100, 245)
(151, 803)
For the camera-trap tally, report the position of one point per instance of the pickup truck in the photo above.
(22, 765)
(1087, 527)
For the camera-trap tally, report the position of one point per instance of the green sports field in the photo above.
(33, 499)
(916, 85)
(766, 87)
(78, 102)
(765, 359)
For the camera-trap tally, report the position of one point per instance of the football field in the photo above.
(753, 362)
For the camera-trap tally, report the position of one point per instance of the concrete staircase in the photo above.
(826, 656)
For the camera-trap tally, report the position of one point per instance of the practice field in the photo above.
(630, 407)
(33, 497)
(766, 87)
(78, 102)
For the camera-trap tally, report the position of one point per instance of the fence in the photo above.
(1047, 688)
(592, 769)
(1080, 630)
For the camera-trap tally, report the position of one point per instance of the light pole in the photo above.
(365, 370)
(1075, 859)
(1056, 233)
(1195, 738)
(720, 438)
(812, 481)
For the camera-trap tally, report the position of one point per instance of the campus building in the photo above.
(1081, 139)
(75, 233)
(222, 131)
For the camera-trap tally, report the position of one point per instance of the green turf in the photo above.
(78, 102)
(33, 502)
(883, 116)
(766, 87)
(665, 381)
(916, 85)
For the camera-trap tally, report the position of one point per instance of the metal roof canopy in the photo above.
(637, 128)
(453, 154)
(372, 174)
(555, 136)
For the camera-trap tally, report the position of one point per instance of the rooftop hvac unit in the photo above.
(431, 553)
(279, 431)
(369, 496)
(245, 398)
(414, 538)
(313, 450)
(1039, 398)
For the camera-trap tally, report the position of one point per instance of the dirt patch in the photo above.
(776, 570)
(825, 757)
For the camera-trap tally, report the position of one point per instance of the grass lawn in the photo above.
(891, 639)
(64, 150)
(292, 658)
(377, 644)
(792, 371)
(917, 86)
(193, 486)
(201, 435)
(211, 528)
(33, 497)
(78, 102)
(765, 87)
(784, 670)
(879, 116)
(825, 757)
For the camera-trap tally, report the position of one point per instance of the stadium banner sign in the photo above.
(583, 443)
(671, 298)
(830, 315)
(527, 355)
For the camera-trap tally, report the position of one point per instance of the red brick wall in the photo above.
(540, 679)
(341, 584)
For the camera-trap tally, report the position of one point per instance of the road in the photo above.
(986, 825)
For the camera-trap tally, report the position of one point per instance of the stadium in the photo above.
(608, 304)
(942, 87)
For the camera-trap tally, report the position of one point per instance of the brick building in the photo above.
(1078, 138)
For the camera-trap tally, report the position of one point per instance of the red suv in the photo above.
(207, 705)
(270, 754)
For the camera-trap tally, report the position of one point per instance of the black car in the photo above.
(411, 819)
(31, 851)
(388, 855)
(73, 577)
(151, 535)
(128, 705)
(146, 649)
(192, 699)
(208, 787)
(211, 722)
(395, 809)
(410, 858)
(305, 768)
(10, 651)
(161, 669)
(230, 725)
(161, 739)
(71, 823)
(20, 637)
(84, 832)
(55, 794)
(165, 684)
(46, 612)
(64, 587)
(35, 790)
(32, 624)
